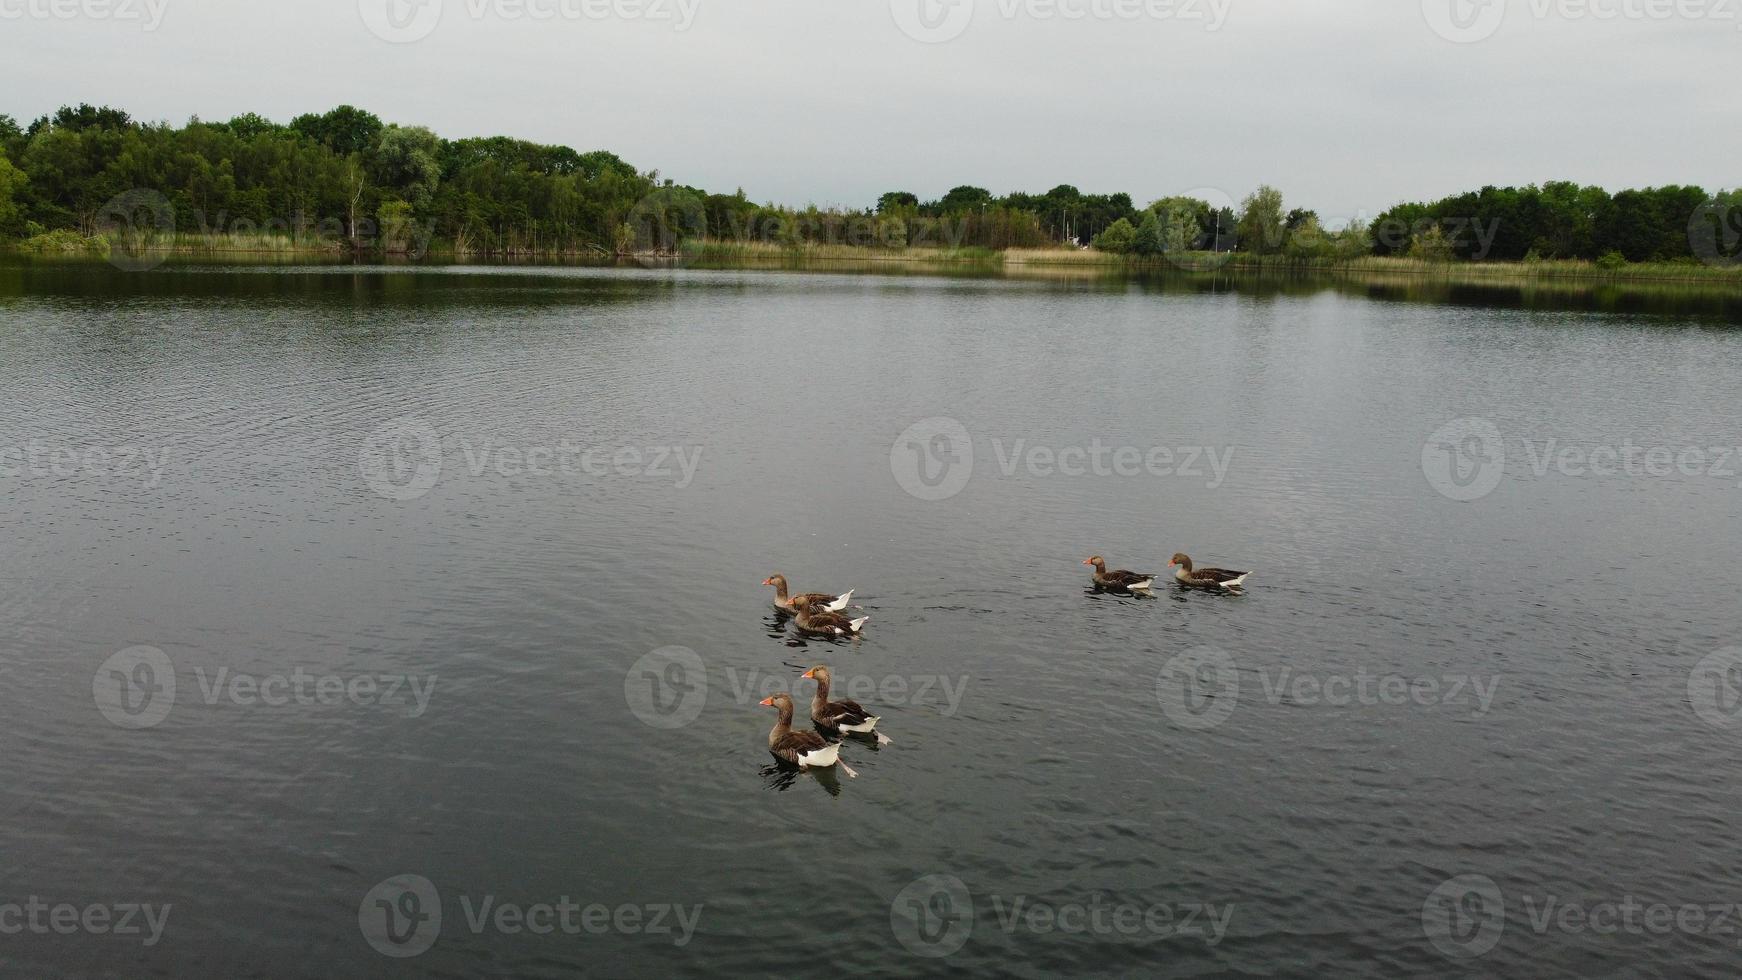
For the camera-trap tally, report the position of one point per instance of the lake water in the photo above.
(455, 573)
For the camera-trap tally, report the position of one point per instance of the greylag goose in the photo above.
(1118, 579)
(807, 750)
(1206, 578)
(792, 604)
(842, 716)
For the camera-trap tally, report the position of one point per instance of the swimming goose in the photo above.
(807, 750)
(818, 622)
(843, 716)
(1119, 579)
(832, 603)
(1206, 578)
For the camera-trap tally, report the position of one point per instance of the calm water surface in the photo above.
(233, 466)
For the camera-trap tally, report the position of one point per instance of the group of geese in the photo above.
(820, 614)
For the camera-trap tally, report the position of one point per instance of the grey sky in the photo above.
(1346, 105)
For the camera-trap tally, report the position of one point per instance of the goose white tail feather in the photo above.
(883, 739)
(859, 624)
(822, 758)
(1236, 583)
(841, 603)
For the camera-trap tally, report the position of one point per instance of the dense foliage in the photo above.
(350, 179)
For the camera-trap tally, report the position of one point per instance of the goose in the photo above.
(842, 716)
(815, 621)
(1206, 578)
(831, 603)
(1119, 579)
(807, 750)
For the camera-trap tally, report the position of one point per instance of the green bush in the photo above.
(1118, 238)
(1612, 261)
(65, 241)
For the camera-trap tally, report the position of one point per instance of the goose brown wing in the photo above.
(836, 712)
(795, 744)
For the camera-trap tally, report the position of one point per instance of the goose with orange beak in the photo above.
(1118, 579)
(792, 604)
(807, 750)
(1219, 579)
(842, 716)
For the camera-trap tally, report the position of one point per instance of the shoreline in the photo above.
(1062, 259)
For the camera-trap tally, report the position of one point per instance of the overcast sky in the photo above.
(1348, 106)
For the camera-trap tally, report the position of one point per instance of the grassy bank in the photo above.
(1033, 261)
(1373, 265)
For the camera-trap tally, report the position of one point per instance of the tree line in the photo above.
(350, 179)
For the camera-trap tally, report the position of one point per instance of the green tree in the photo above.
(895, 201)
(12, 181)
(1431, 245)
(1119, 238)
(965, 198)
(406, 159)
(1261, 221)
(344, 130)
(1151, 238)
